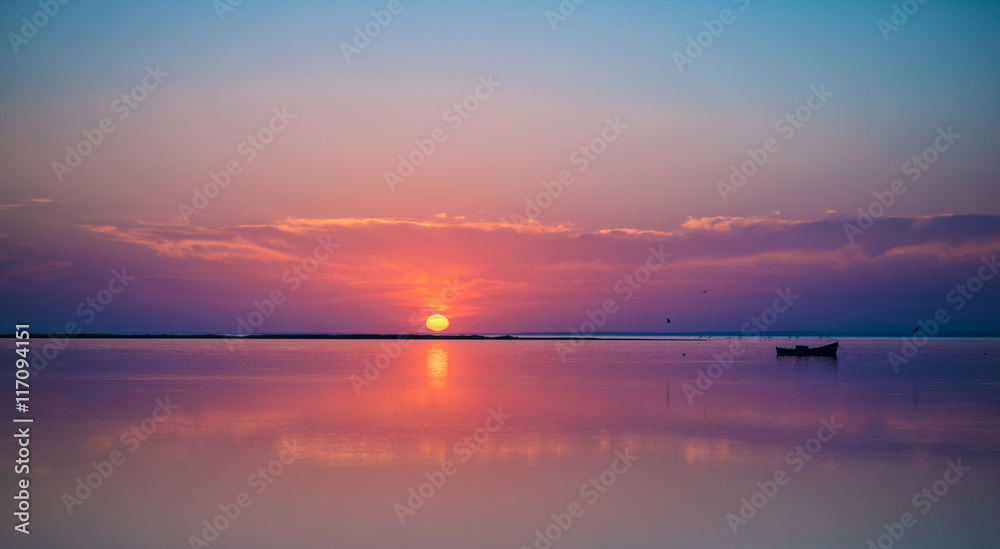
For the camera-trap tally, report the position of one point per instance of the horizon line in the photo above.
(618, 336)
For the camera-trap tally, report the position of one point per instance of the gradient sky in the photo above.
(323, 175)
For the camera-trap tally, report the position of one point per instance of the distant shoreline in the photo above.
(367, 336)
(361, 336)
(629, 336)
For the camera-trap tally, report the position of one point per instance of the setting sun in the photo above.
(437, 322)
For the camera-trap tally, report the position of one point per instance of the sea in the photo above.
(481, 444)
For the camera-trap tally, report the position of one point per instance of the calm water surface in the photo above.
(435, 421)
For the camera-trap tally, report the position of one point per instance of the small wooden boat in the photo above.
(804, 350)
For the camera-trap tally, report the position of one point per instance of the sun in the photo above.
(437, 322)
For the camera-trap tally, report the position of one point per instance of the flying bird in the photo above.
(917, 329)
(668, 321)
(704, 291)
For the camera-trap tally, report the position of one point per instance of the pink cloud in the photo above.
(544, 278)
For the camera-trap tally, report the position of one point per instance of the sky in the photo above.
(183, 165)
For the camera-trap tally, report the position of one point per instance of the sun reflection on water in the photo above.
(437, 365)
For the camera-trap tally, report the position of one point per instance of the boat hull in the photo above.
(802, 350)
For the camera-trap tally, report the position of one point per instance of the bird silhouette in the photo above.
(917, 329)
(704, 291)
(668, 321)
